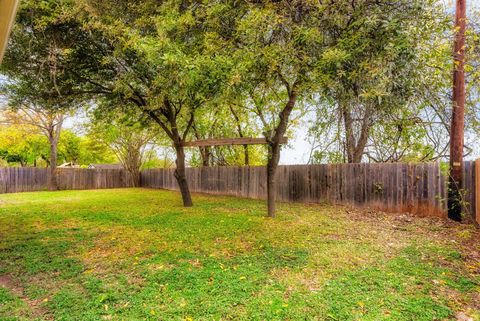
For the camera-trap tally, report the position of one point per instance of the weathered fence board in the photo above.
(469, 187)
(27, 179)
(420, 189)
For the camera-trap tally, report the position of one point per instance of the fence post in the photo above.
(477, 190)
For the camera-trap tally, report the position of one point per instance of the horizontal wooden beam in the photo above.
(230, 141)
(8, 8)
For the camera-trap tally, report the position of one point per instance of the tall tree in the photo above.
(164, 58)
(378, 74)
(406, 75)
(38, 85)
(131, 141)
(281, 49)
(49, 121)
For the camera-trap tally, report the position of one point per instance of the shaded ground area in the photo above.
(136, 254)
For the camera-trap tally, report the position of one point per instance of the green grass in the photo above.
(136, 254)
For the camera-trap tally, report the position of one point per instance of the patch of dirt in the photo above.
(465, 235)
(7, 282)
(196, 263)
(461, 316)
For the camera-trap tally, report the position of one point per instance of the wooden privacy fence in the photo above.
(420, 189)
(26, 179)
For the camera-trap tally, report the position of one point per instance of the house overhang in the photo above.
(8, 8)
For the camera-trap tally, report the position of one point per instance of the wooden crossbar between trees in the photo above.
(230, 141)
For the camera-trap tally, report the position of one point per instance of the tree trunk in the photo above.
(247, 155)
(181, 177)
(52, 183)
(171, 115)
(240, 134)
(458, 117)
(205, 154)
(274, 151)
(53, 134)
(133, 161)
(205, 151)
(272, 165)
(134, 176)
(356, 148)
(349, 136)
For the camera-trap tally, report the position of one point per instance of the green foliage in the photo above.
(153, 160)
(38, 64)
(84, 150)
(392, 77)
(280, 51)
(164, 58)
(26, 146)
(22, 145)
(69, 147)
(94, 151)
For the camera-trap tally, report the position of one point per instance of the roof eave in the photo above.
(8, 8)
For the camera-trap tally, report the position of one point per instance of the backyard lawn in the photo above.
(136, 254)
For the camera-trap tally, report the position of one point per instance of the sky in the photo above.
(298, 149)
